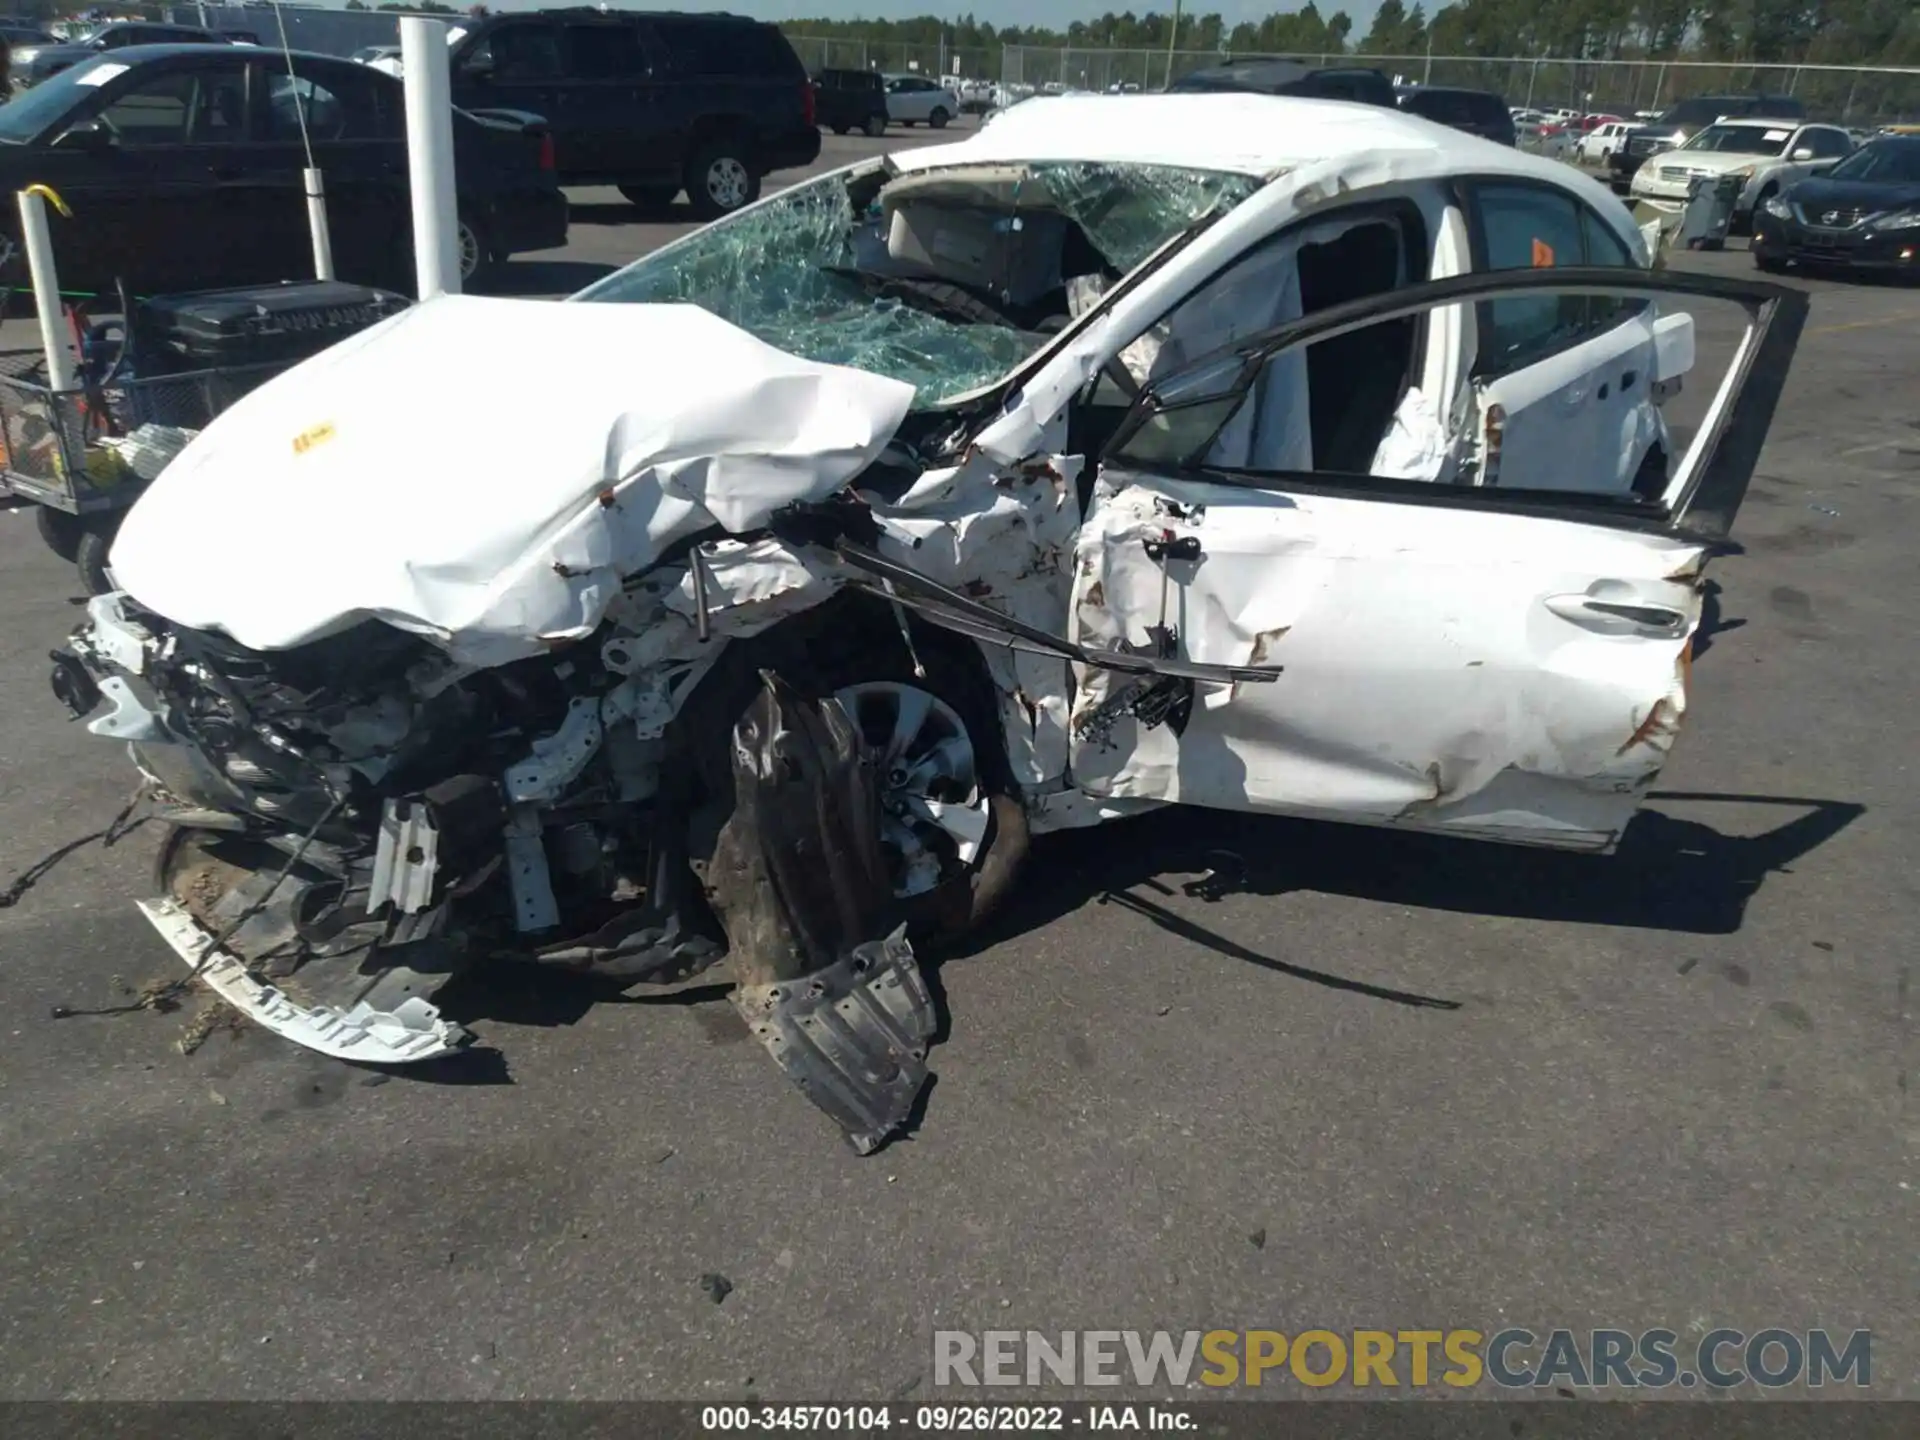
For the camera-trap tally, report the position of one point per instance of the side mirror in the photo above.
(89, 136)
(1803, 153)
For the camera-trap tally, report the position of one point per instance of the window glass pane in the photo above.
(604, 52)
(526, 52)
(328, 116)
(156, 113)
(1173, 436)
(1528, 229)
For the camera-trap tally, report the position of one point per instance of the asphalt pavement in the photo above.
(1667, 1088)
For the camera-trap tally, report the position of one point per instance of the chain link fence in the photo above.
(820, 53)
(1849, 95)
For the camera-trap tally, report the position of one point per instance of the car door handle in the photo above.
(1617, 616)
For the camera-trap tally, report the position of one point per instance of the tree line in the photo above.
(1799, 32)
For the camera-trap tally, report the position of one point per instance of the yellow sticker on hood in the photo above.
(308, 439)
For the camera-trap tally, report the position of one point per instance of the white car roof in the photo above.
(1242, 133)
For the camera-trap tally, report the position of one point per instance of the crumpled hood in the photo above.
(1708, 162)
(484, 472)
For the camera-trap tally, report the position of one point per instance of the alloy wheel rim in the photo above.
(727, 182)
(933, 817)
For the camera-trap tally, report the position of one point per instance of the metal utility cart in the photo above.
(146, 385)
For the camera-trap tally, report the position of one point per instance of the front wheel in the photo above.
(938, 120)
(953, 831)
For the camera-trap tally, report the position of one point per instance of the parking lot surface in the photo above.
(1387, 1082)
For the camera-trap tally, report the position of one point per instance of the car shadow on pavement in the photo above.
(1669, 873)
(1712, 622)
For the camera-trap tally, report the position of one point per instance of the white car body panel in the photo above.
(1431, 682)
(1444, 670)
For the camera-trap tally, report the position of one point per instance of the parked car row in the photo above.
(180, 168)
(1766, 155)
(1680, 122)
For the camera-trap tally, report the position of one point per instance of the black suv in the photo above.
(851, 100)
(1478, 112)
(1680, 122)
(654, 103)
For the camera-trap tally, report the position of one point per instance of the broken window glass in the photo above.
(812, 274)
(1130, 211)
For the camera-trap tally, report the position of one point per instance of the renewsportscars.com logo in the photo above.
(1512, 1359)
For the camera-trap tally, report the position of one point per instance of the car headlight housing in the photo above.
(26, 56)
(1903, 220)
(1777, 207)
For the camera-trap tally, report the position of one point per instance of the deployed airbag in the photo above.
(484, 472)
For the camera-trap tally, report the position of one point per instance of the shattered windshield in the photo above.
(944, 279)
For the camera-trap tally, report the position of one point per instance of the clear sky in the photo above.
(1056, 14)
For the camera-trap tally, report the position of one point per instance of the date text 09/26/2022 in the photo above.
(944, 1419)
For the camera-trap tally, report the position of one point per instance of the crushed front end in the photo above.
(354, 820)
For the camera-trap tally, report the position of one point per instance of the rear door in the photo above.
(608, 70)
(352, 119)
(1566, 387)
(1506, 664)
(519, 65)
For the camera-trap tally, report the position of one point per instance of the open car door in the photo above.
(1506, 661)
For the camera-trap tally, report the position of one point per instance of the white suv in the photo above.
(916, 100)
(1768, 155)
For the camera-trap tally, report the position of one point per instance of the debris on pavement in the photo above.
(717, 1286)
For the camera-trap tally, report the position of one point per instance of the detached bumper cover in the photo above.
(411, 1031)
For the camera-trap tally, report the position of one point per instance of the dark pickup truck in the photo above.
(653, 103)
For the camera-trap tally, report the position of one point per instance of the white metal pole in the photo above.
(436, 213)
(317, 223)
(46, 288)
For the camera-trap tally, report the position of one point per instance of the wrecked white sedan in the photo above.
(761, 602)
